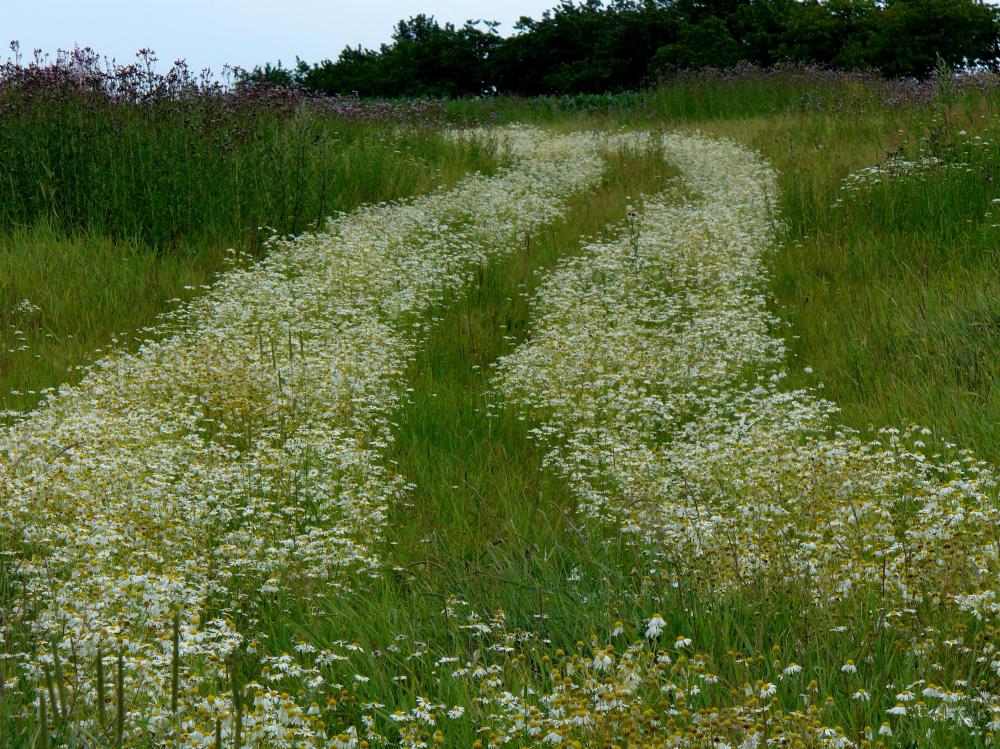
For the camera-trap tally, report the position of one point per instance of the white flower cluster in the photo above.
(148, 511)
(656, 383)
(894, 168)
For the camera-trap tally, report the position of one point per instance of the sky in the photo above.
(212, 33)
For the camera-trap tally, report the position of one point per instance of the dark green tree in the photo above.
(593, 46)
(702, 44)
(585, 47)
(835, 33)
(911, 35)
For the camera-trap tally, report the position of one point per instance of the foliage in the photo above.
(424, 59)
(593, 46)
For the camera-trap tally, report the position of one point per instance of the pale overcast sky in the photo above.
(210, 33)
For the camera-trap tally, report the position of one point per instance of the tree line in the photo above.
(595, 46)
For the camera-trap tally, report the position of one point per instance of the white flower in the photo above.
(346, 740)
(655, 626)
(791, 670)
(849, 667)
(602, 661)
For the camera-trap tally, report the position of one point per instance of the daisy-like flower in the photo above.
(791, 669)
(655, 626)
(346, 740)
(602, 661)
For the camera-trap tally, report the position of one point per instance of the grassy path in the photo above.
(483, 522)
(478, 479)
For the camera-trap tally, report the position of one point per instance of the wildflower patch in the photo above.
(152, 509)
(656, 381)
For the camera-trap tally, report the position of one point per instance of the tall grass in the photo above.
(706, 96)
(126, 152)
(889, 289)
(889, 286)
(894, 294)
(65, 296)
(121, 188)
(168, 173)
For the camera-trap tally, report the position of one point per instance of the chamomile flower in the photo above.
(655, 626)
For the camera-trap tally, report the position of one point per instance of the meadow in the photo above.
(659, 419)
(125, 190)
